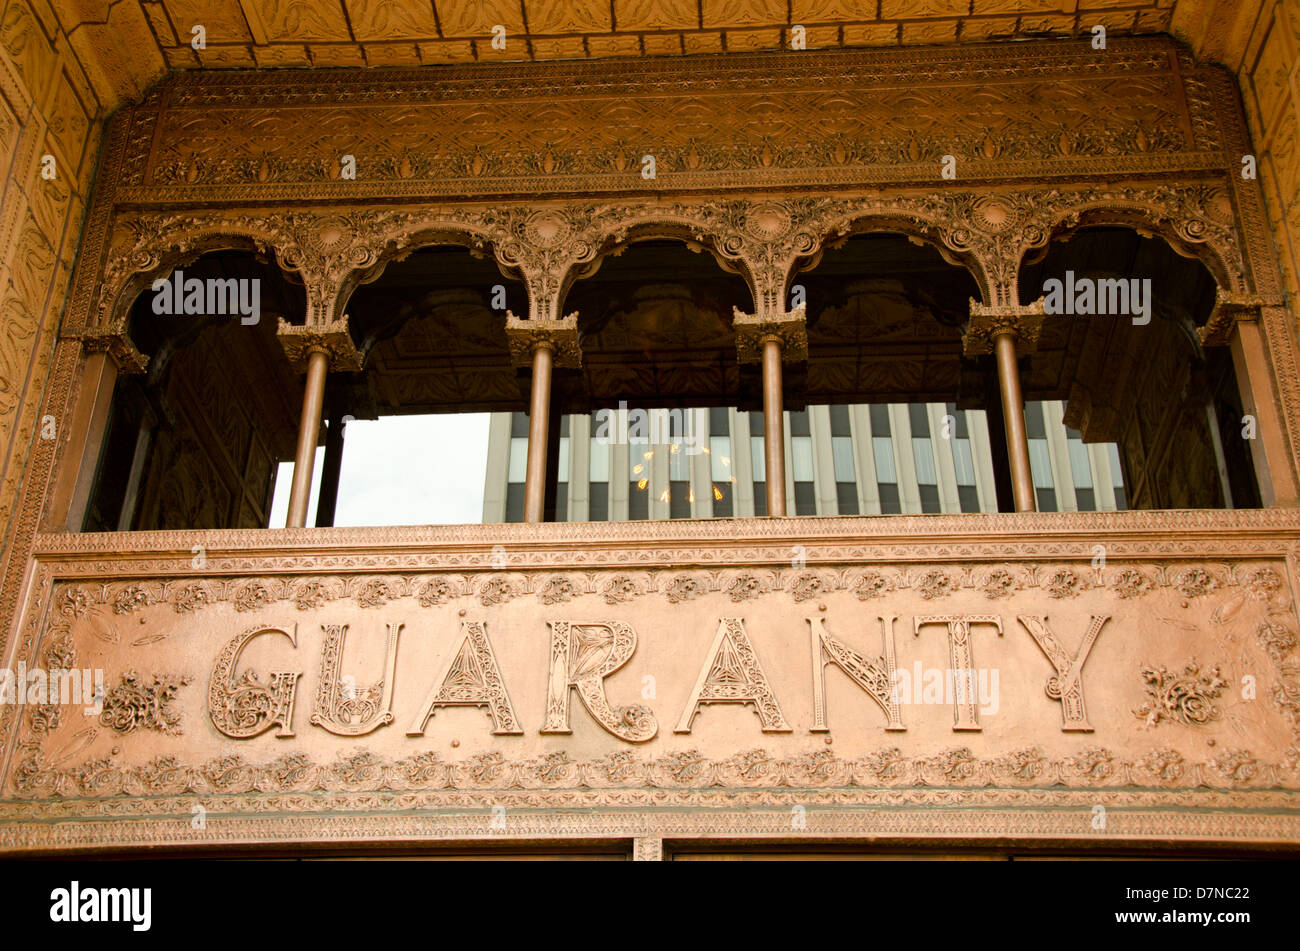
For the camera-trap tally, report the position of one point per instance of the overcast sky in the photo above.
(403, 470)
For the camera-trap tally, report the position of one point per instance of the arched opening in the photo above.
(891, 418)
(406, 438)
(193, 442)
(1119, 362)
(646, 427)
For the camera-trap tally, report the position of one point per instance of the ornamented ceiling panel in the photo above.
(274, 33)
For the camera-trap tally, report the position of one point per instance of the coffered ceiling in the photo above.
(127, 44)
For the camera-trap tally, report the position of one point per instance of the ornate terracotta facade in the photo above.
(653, 683)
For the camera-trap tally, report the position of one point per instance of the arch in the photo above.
(397, 238)
(921, 223)
(612, 236)
(1196, 236)
(176, 243)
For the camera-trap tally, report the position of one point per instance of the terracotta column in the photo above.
(772, 339)
(541, 345)
(539, 412)
(773, 425)
(1235, 323)
(313, 401)
(1010, 332)
(330, 469)
(107, 354)
(319, 348)
(1013, 417)
(139, 458)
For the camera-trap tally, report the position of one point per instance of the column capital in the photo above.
(558, 336)
(119, 347)
(1230, 309)
(788, 328)
(987, 322)
(299, 340)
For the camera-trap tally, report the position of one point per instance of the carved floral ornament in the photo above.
(335, 250)
(1060, 581)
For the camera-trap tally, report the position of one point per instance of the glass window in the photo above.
(882, 448)
(802, 452)
(842, 455)
(720, 458)
(924, 455)
(599, 460)
(518, 467)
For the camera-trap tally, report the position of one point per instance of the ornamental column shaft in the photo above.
(542, 345)
(107, 354)
(773, 426)
(319, 348)
(1013, 417)
(539, 411)
(1236, 323)
(772, 338)
(313, 402)
(1009, 331)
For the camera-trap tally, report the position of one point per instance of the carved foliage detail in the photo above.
(1186, 697)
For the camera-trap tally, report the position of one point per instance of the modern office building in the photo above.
(839, 460)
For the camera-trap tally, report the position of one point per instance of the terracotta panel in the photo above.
(833, 11)
(940, 31)
(661, 15)
(702, 42)
(740, 40)
(288, 20)
(568, 16)
(388, 20)
(561, 47)
(871, 34)
(985, 29)
(1039, 25)
(281, 54)
(341, 54)
(918, 9)
(392, 54)
(222, 19)
(729, 13)
(461, 19)
(662, 44)
(619, 45)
